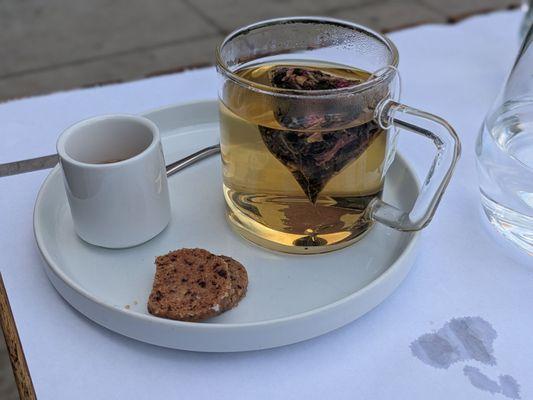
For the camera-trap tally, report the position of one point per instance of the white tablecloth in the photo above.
(454, 71)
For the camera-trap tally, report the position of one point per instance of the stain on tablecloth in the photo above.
(465, 339)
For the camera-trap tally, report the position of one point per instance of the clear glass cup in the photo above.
(504, 151)
(308, 118)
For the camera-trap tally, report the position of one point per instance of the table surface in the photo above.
(453, 71)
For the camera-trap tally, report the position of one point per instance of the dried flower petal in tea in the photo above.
(312, 153)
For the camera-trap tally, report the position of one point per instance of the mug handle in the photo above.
(448, 148)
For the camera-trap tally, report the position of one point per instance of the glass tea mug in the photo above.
(308, 114)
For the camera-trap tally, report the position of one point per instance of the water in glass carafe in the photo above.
(527, 20)
(504, 151)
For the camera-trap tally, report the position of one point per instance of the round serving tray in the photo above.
(290, 298)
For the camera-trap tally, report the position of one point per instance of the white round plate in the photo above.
(290, 298)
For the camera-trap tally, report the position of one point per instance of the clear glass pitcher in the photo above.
(527, 21)
(504, 151)
(308, 118)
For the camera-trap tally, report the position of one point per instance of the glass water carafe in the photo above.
(527, 21)
(504, 151)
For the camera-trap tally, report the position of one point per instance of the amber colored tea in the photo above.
(295, 180)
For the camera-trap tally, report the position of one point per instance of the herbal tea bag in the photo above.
(309, 150)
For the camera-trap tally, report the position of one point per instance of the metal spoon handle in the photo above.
(191, 159)
(35, 164)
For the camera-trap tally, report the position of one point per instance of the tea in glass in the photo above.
(298, 179)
